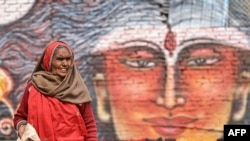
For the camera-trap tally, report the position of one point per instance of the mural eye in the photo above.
(203, 61)
(138, 63)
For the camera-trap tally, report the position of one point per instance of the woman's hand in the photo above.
(21, 130)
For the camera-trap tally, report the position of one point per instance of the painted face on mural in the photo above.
(170, 96)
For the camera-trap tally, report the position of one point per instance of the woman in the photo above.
(56, 101)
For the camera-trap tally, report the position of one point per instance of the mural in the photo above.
(156, 69)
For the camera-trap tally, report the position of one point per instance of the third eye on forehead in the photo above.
(205, 54)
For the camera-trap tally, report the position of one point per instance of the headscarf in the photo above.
(71, 89)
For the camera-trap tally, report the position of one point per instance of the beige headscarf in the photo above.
(71, 89)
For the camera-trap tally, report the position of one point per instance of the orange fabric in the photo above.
(53, 119)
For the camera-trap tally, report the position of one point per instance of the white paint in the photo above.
(11, 10)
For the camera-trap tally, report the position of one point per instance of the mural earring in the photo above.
(101, 96)
(245, 74)
(241, 96)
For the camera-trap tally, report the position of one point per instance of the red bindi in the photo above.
(170, 41)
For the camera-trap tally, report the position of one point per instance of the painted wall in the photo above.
(156, 69)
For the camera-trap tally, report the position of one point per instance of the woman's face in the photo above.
(61, 62)
(152, 97)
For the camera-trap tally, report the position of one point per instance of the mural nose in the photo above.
(169, 98)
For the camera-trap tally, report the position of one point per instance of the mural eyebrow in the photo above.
(149, 43)
(200, 39)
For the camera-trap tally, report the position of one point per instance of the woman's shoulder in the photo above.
(28, 85)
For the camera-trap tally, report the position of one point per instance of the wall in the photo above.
(155, 69)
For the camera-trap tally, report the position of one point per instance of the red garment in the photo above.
(55, 120)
